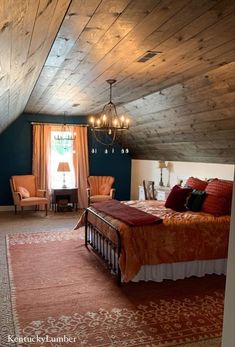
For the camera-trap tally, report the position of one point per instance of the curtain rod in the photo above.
(59, 124)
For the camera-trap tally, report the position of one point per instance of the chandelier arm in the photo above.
(103, 143)
(115, 110)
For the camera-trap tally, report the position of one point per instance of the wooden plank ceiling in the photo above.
(56, 56)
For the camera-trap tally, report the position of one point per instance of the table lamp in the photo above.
(63, 167)
(161, 165)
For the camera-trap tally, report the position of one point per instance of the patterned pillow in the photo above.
(196, 183)
(215, 205)
(24, 192)
(220, 187)
(177, 198)
(219, 197)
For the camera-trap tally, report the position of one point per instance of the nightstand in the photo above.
(162, 193)
(64, 196)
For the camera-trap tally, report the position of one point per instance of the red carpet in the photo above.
(62, 291)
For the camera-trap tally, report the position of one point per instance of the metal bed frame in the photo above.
(105, 248)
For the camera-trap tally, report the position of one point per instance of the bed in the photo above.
(182, 245)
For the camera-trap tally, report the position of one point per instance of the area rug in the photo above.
(62, 295)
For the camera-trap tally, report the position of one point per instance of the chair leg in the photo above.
(22, 211)
(15, 209)
(46, 209)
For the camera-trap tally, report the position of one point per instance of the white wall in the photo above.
(148, 170)
(228, 339)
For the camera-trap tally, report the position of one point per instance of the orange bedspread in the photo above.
(183, 236)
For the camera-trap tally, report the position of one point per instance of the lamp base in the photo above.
(161, 181)
(64, 185)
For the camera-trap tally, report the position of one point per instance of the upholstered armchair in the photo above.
(25, 192)
(100, 188)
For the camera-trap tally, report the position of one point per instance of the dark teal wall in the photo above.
(16, 156)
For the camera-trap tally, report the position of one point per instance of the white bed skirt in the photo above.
(176, 271)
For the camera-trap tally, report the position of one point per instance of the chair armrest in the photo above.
(41, 193)
(88, 191)
(112, 192)
(17, 197)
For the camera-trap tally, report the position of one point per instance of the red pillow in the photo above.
(219, 197)
(196, 183)
(177, 198)
(215, 205)
(220, 187)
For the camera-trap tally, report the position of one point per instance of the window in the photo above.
(62, 152)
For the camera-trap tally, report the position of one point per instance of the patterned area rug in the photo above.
(63, 296)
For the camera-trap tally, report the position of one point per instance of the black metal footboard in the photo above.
(106, 248)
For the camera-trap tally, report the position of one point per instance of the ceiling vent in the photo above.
(148, 55)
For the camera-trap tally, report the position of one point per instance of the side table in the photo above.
(67, 194)
(162, 193)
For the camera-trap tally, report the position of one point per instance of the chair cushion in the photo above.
(33, 201)
(97, 198)
(24, 192)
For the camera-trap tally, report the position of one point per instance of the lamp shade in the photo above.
(63, 167)
(162, 164)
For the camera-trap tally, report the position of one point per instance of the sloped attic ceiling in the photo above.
(57, 54)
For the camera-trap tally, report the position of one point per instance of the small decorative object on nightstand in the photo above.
(161, 165)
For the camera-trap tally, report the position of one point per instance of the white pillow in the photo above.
(24, 192)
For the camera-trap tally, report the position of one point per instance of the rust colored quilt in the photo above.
(183, 236)
(125, 213)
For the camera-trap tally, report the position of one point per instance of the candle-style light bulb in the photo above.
(122, 121)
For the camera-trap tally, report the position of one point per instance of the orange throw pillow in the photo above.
(196, 183)
(24, 192)
(219, 197)
(215, 205)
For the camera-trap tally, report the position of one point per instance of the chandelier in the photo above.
(108, 125)
(65, 137)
